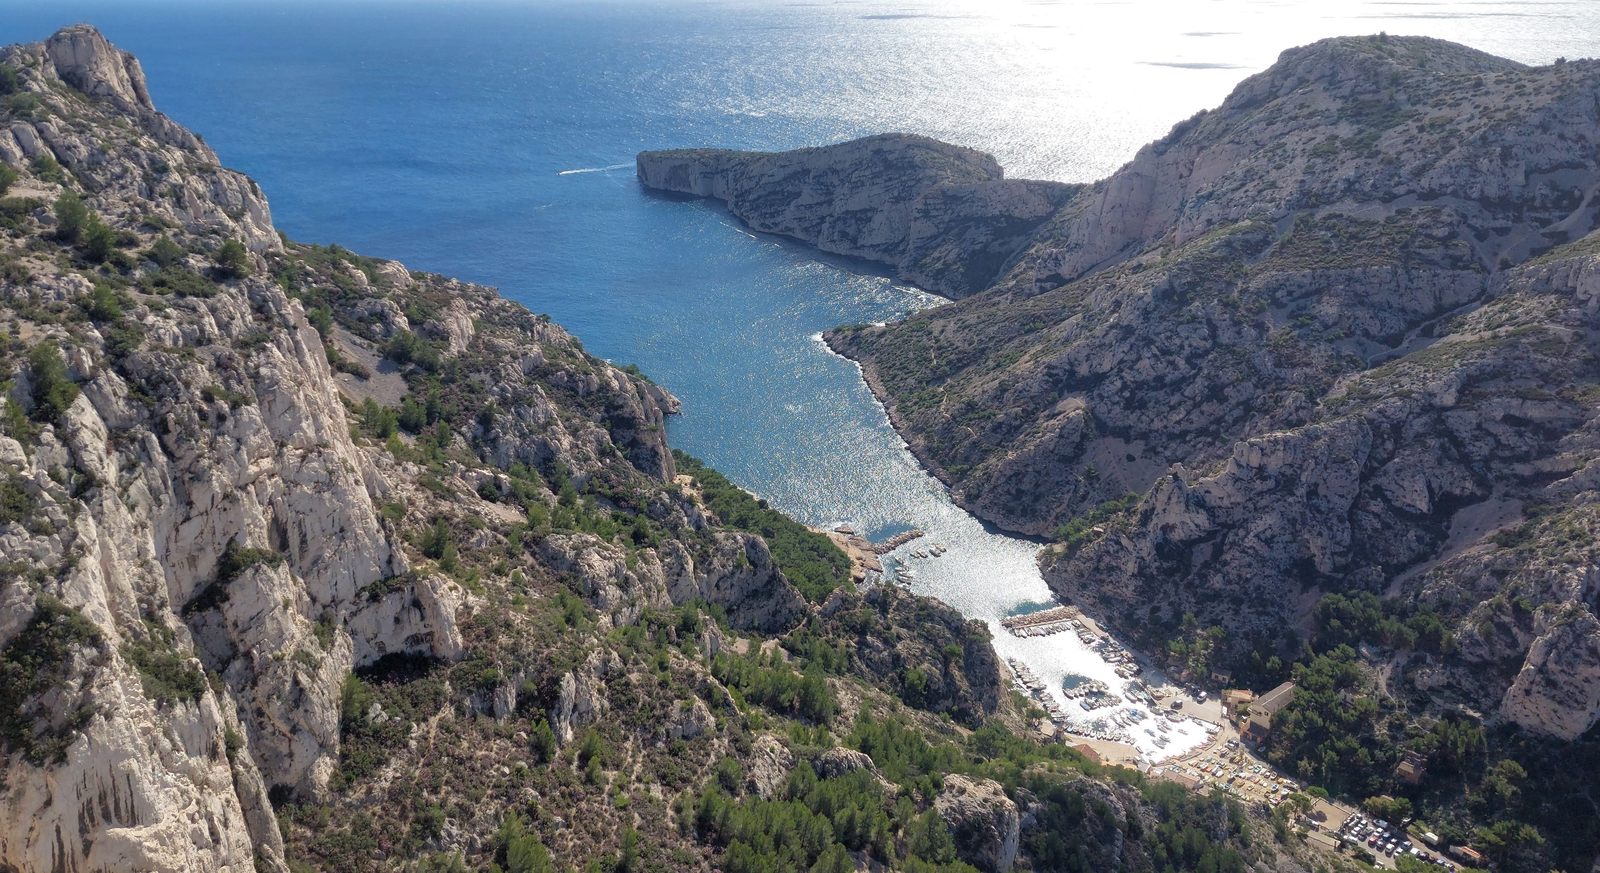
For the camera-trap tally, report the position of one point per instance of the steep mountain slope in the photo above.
(1335, 337)
(308, 561)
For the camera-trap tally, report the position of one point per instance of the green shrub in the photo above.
(321, 318)
(406, 347)
(99, 240)
(16, 504)
(14, 422)
(413, 416)
(8, 177)
(769, 681)
(377, 420)
(167, 676)
(103, 304)
(15, 212)
(165, 253)
(53, 389)
(542, 742)
(233, 260)
(35, 662)
(10, 82)
(177, 280)
(440, 546)
(518, 851)
(234, 399)
(410, 689)
(236, 559)
(71, 216)
(1077, 531)
(47, 168)
(24, 105)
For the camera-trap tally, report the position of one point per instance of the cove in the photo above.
(769, 405)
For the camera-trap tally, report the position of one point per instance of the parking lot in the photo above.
(1227, 765)
(1386, 841)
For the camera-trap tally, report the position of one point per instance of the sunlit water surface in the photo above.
(493, 141)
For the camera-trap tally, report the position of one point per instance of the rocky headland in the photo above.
(940, 216)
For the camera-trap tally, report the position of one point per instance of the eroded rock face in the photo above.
(737, 572)
(1557, 691)
(86, 61)
(197, 194)
(581, 700)
(837, 762)
(941, 215)
(984, 821)
(770, 764)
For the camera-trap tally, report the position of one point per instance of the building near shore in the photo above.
(1258, 727)
(1236, 702)
(1411, 769)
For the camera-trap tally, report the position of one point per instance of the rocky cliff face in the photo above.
(941, 216)
(206, 527)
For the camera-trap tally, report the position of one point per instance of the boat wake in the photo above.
(605, 169)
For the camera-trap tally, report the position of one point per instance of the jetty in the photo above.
(1042, 623)
(897, 541)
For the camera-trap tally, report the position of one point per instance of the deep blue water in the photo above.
(494, 140)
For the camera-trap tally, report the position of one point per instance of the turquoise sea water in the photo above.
(494, 141)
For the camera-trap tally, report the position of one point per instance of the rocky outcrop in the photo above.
(1557, 691)
(984, 821)
(83, 58)
(198, 194)
(936, 659)
(581, 701)
(940, 215)
(770, 763)
(736, 572)
(837, 762)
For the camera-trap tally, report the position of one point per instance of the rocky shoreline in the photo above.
(909, 435)
(941, 216)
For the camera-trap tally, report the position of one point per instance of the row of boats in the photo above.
(1094, 697)
(1062, 619)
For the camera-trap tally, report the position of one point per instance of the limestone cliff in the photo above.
(941, 216)
(201, 536)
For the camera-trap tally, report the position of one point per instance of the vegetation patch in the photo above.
(808, 559)
(168, 676)
(37, 662)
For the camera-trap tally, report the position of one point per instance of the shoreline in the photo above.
(1111, 750)
(869, 375)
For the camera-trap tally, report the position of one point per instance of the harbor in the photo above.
(1089, 688)
(1123, 710)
